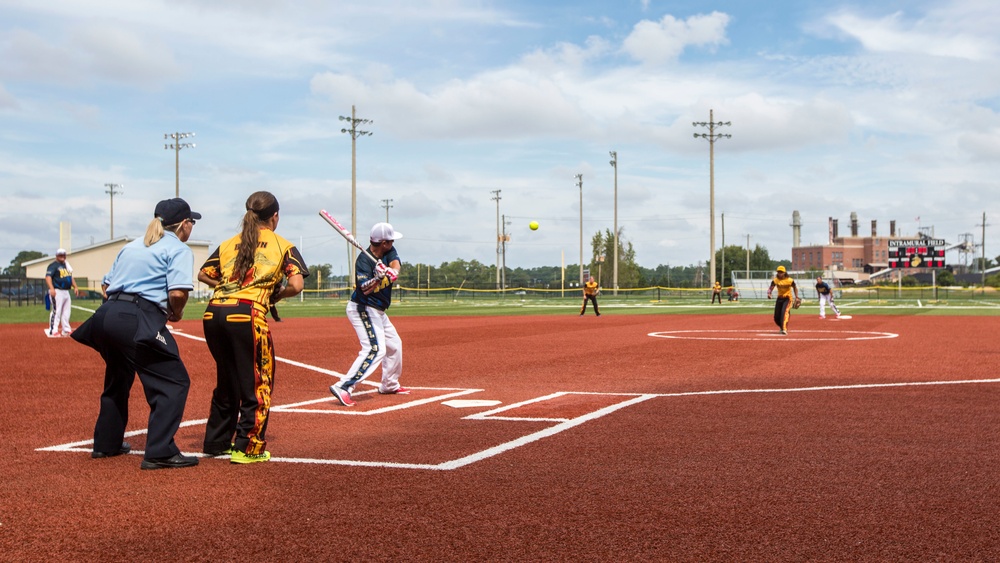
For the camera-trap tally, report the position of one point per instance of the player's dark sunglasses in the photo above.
(192, 221)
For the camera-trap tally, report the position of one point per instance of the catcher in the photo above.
(782, 305)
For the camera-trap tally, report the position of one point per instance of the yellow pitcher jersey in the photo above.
(276, 258)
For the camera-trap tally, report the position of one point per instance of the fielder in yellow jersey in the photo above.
(783, 304)
(246, 272)
(590, 291)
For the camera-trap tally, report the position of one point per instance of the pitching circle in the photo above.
(769, 335)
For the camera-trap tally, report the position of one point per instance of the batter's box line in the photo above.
(490, 415)
(295, 407)
(495, 450)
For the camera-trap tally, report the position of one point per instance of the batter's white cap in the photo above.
(61, 252)
(384, 231)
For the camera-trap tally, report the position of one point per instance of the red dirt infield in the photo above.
(729, 442)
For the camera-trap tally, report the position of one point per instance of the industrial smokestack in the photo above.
(834, 231)
(854, 224)
(892, 228)
(874, 229)
(796, 229)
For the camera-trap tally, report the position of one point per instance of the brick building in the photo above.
(854, 253)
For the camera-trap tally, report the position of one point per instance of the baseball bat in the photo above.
(345, 233)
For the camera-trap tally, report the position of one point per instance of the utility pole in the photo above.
(113, 190)
(748, 256)
(355, 133)
(503, 242)
(614, 281)
(711, 136)
(579, 181)
(722, 276)
(386, 203)
(177, 145)
(982, 264)
(496, 198)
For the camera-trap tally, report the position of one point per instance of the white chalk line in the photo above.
(494, 414)
(773, 335)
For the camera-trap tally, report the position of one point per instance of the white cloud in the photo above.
(955, 31)
(7, 101)
(88, 54)
(658, 43)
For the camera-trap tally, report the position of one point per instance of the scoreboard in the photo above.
(919, 253)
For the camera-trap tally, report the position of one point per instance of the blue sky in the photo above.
(886, 109)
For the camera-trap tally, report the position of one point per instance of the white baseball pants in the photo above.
(824, 300)
(59, 312)
(380, 345)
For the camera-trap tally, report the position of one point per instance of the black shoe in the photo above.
(178, 460)
(217, 453)
(126, 448)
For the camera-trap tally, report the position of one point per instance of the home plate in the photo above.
(468, 403)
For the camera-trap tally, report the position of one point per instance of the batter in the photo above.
(367, 311)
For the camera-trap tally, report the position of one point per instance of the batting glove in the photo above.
(380, 270)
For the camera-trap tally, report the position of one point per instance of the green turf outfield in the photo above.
(516, 305)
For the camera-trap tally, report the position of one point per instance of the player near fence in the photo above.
(590, 290)
(59, 278)
(825, 298)
(784, 304)
(246, 272)
(148, 285)
(368, 313)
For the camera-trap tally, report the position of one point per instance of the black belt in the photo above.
(122, 296)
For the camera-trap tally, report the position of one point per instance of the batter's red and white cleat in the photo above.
(342, 395)
(397, 391)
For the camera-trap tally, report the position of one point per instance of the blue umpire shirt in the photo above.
(152, 271)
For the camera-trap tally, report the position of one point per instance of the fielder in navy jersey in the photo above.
(825, 297)
(367, 311)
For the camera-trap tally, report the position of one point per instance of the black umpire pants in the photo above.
(130, 334)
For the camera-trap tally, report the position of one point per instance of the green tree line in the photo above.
(476, 275)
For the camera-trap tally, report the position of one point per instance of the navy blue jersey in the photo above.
(364, 270)
(822, 288)
(61, 277)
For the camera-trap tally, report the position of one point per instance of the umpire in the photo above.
(147, 286)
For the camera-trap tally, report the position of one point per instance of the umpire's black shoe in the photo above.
(126, 448)
(178, 460)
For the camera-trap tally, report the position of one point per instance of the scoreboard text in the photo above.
(920, 253)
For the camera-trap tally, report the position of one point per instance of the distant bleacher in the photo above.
(754, 284)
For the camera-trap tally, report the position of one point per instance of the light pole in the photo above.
(386, 203)
(614, 281)
(177, 145)
(496, 198)
(600, 266)
(711, 136)
(355, 133)
(579, 182)
(748, 256)
(504, 239)
(113, 190)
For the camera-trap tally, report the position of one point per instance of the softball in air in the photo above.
(533, 225)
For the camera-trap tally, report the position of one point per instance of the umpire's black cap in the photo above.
(173, 211)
